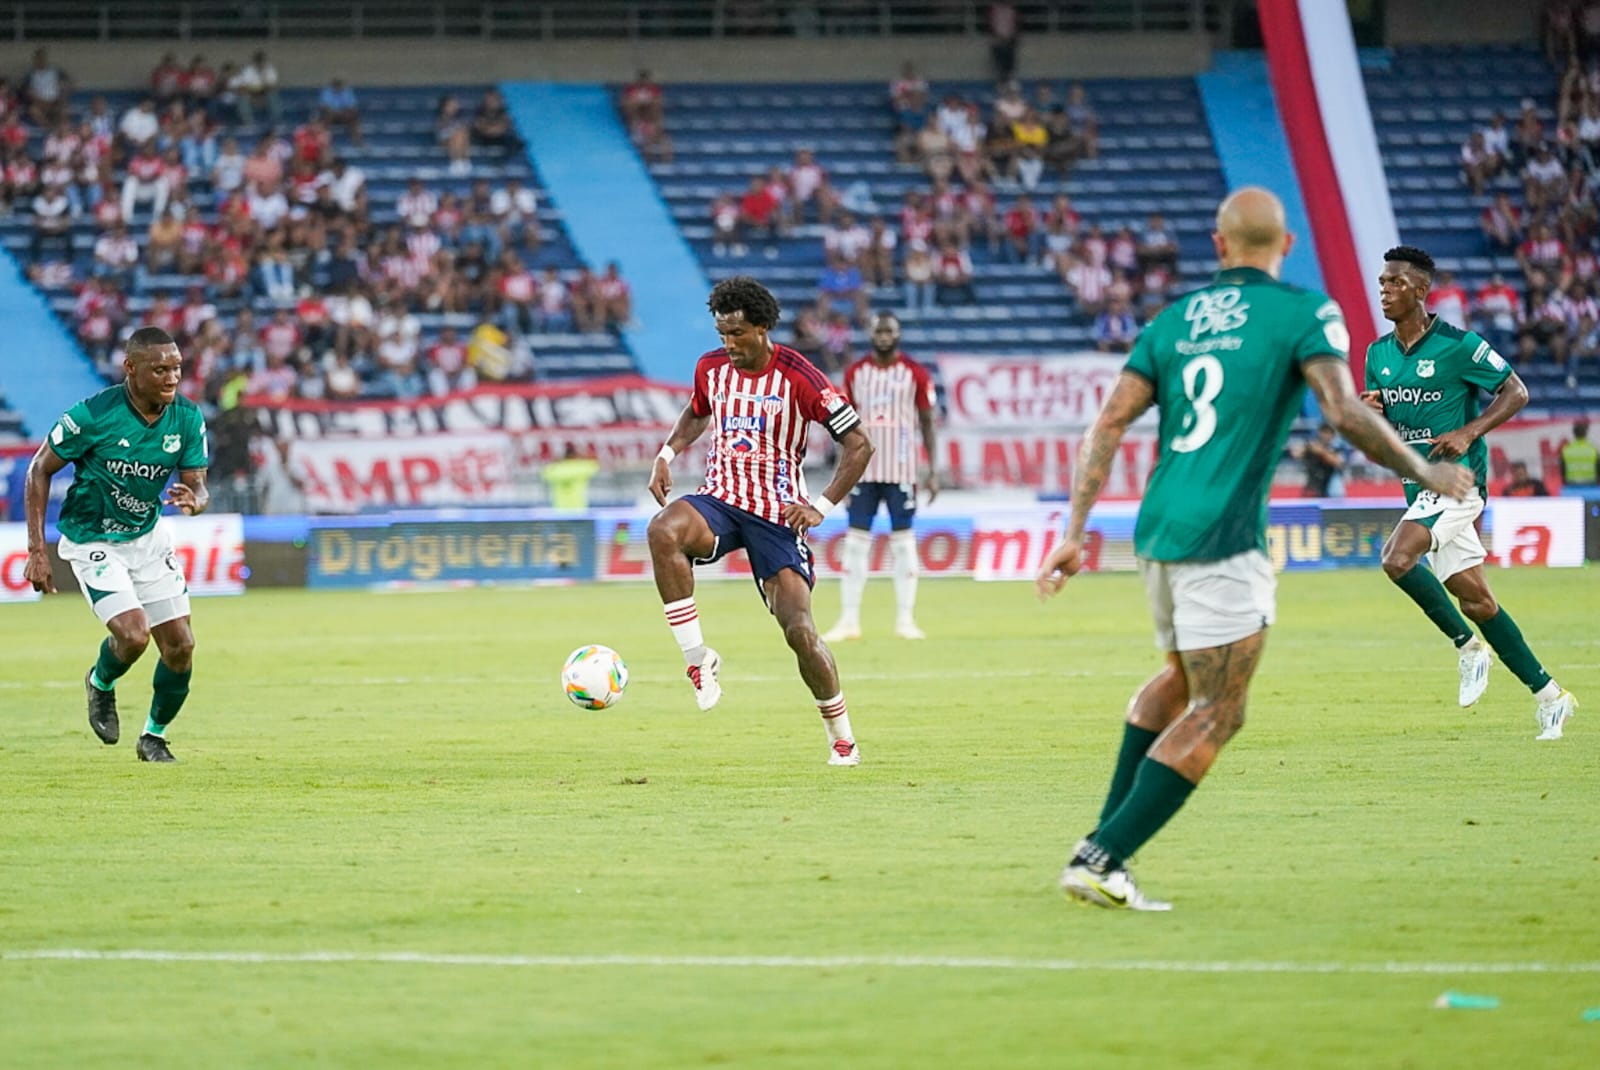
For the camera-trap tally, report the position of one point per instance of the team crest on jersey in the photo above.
(1424, 369)
(772, 404)
(1216, 311)
(170, 443)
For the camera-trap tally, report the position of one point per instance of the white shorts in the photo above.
(1200, 604)
(1456, 546)
(119, 576)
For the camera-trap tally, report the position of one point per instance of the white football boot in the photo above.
(1554, 714)
(1473, 667)
(703, 676)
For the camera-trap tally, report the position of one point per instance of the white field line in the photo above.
(787, 962)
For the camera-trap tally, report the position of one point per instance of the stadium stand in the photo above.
(1427, 103)
(401, 153)
(1155, 157)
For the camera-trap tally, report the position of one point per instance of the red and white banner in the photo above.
(210, 549)
(1042, 460)
(1018, 421)
(347, 475)
(1064, 391)
(1322, 103)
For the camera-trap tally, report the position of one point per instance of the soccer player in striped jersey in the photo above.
(894, 396)
(759, 399)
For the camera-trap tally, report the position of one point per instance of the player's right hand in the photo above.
(1373, 399)
(660, 481)
(37, 572)
(1449, 479)
(1060, 565)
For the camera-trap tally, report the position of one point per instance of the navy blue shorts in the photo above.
(771, 547)
(901, 498)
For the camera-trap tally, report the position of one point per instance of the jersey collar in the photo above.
(1239, 276)
(127, 399)
(1407, 351)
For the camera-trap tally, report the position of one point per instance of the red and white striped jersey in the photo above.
(890, 399)
(759, 425)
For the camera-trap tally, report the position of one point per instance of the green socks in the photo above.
(107, 668)
(1506, 638)
(1158, 793)
(171, 688)
(1424, 588)
(1135, 742)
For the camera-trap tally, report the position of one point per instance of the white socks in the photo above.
(684, 620)
(1549, 692)
(903, 551)
(835, 718)
(857, 546)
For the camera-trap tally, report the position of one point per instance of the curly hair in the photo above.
(741, 293)
(1410, 254)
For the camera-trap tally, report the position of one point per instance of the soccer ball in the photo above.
(594, 676)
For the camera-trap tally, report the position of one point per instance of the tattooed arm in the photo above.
(1129, 399)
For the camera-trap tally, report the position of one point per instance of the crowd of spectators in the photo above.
(256, 242)
(1536, 183)
(982, 173)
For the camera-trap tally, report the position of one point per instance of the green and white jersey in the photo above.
(1226, 362)
(122, 463)
(1432, 388)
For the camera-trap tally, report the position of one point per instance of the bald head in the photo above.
(1252, 218)
(1251, 231)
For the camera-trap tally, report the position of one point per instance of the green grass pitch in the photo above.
(369, 774)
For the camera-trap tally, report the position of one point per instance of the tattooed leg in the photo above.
(1219, 682)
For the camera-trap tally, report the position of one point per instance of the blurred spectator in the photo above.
(45, 90)
(452, 130)
(877, 259)
(200, 85)
(515, 208)
(1005, 30)
(1497, 313)
(725, 234)
(1523, 485)
(1502, 224)
(1115, 328)
(836, 344)
(489, 353)
(274, 278)
(491, 124)
(256, 89)
(937, 151)
(1448, 301)
(1544, 181)
(952, 272)
(52, 223)
(908, 98)
(277, 381)
(1022, 232)
(339, 107)
(808, 185)
(1478, 164)
(555, 302)
(842, 287)
(1085, 123)
(1580, 462)
(920, 284)
(116, 255)
(167, 81)
(614, 296)
(139, 125)
(758, 213)
(163, 243)
(569, 478)
(1542, 253)
(447, 369)
(1032, 140)
(645, 114)
(1528, 133)
(810, 328)
(1324, 464)
(1088, 281)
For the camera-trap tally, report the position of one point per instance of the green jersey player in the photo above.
(125, 442)
(1226, 366)
(1425, 377)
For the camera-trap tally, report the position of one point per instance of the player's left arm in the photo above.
(930, 437)
(1132, 395)
(1486, 369)
(189, 493)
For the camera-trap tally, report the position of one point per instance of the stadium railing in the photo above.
(103, 20)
